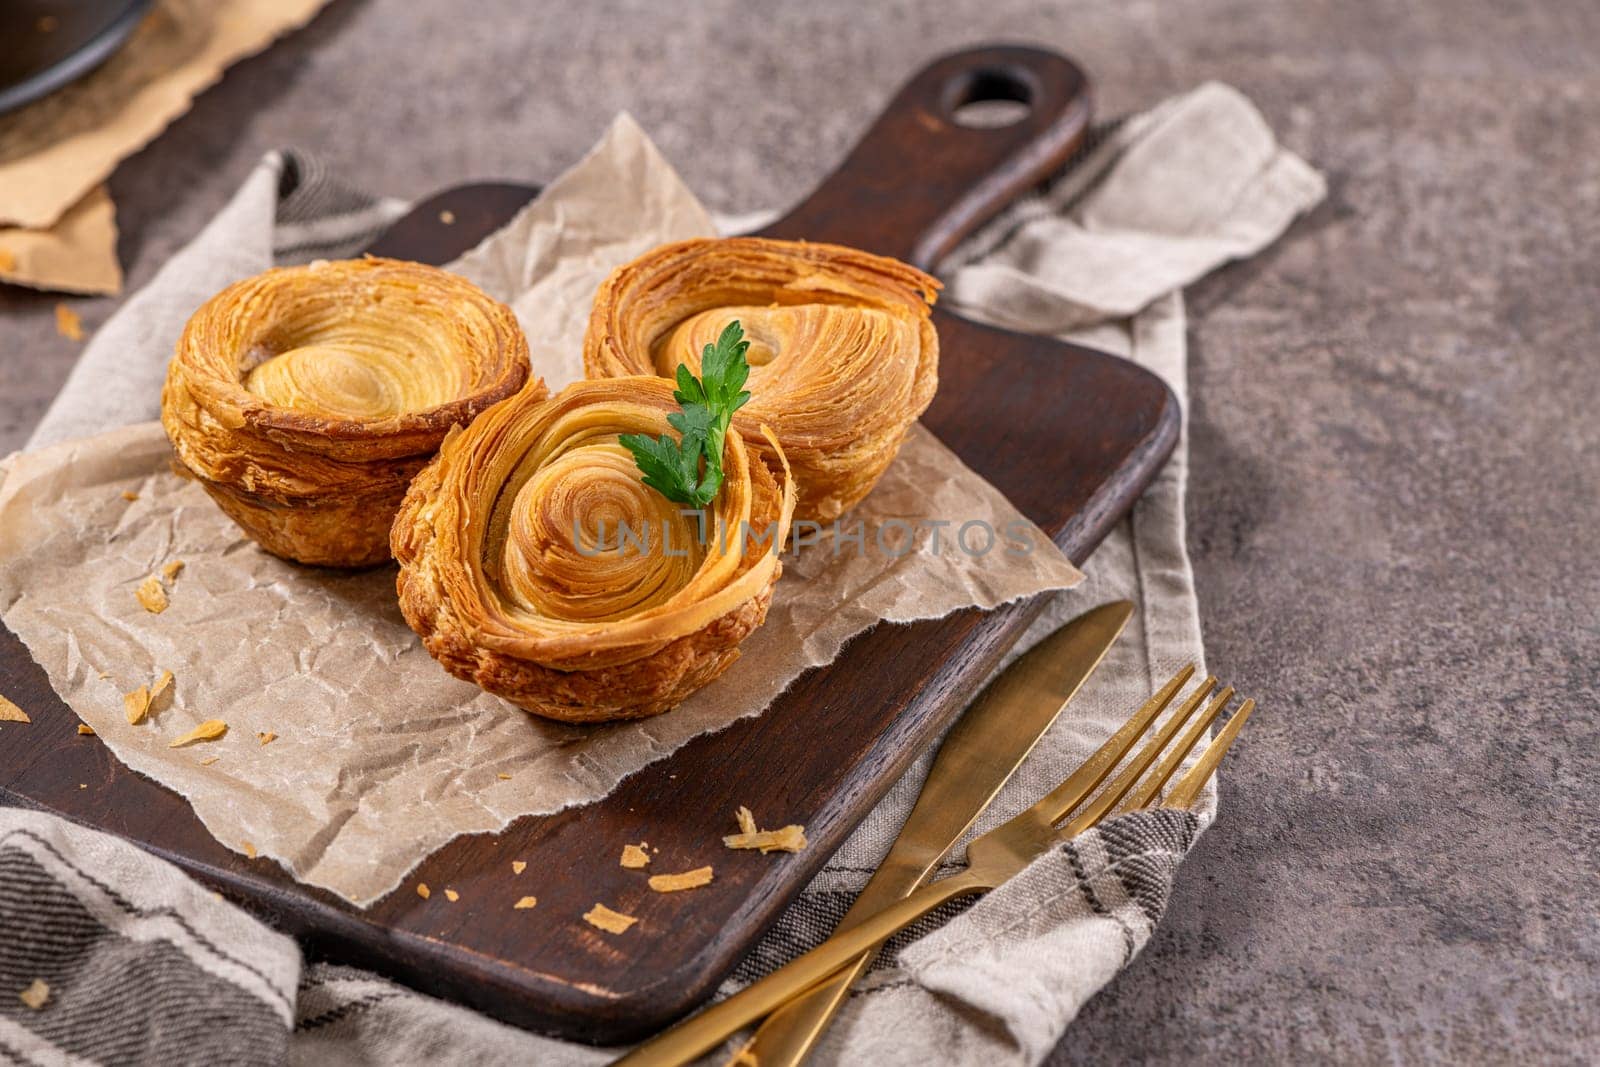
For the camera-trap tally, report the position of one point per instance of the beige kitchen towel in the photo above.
(56, 149)
(381, 756)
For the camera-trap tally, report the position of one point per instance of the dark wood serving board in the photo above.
(1070, 435)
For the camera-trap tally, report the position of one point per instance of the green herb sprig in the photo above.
(689, 470)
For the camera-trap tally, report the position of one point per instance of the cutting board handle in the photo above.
(921, 180)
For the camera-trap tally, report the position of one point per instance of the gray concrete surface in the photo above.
(1395, 511)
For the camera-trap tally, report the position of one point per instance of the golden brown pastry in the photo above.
(306, 398)
(843, 354)
(515, 569)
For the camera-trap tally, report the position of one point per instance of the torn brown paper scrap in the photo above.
(56, 149)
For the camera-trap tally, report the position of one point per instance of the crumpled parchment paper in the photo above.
(380, 756)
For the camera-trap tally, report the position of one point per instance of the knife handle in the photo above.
(701, 1033)
(977, 757)
(920, 180)
(787, 1036)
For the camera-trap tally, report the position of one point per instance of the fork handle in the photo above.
(786, 1037)
(697, 1035)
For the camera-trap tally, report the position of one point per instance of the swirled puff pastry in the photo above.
(306, 398)
(843, 353)
(516, 570)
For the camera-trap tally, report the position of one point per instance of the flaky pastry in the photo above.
(843, 353)
(306, 398)
(536, 563)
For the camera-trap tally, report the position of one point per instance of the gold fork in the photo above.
(993, 857)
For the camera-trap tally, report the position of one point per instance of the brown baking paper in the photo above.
(76, 255)
(56, 149)
(380, 756)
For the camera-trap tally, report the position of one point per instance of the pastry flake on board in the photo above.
(673, 883)
(612, 922)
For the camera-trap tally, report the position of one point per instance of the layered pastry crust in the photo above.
(516, 570)
(843, 353)
(305, 399)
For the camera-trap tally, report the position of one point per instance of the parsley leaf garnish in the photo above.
(689, 471)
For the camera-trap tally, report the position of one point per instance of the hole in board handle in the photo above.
(988, 98)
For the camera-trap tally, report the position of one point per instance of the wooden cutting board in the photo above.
(1070, 435)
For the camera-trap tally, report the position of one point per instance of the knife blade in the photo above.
(979, 754)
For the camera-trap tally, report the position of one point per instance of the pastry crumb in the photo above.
(68, 324)
(173, 569)
(209, 760)
(151, 595)
(162, 684)
(85, 730)
(249, 849)
(672, 883)
(791, 838)
(612, 922)
(8, 260)
(451, 895)
(36, 994)
(266, 737)
(518, 866)
(137, 704)
(525, 902)
(129, 495)
(634, 856)
(209, 730)
(9, 712)
(142, 700)
(447, 217)
(503, 777)
(423, 891)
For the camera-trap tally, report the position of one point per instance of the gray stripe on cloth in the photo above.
(1079, 173)
(812, 918)
(112, 999)
(118, 914)
(320, 216)
(1145, 853)
(19, 1045)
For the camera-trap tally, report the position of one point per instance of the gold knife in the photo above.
(978, 756)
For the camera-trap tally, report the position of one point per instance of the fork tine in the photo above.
(1189, 786)
(1152, 783)
(1097, 808)
(1070, 793)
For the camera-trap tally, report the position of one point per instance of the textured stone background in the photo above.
(1396, 459)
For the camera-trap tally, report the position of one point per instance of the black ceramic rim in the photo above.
(93, 52)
